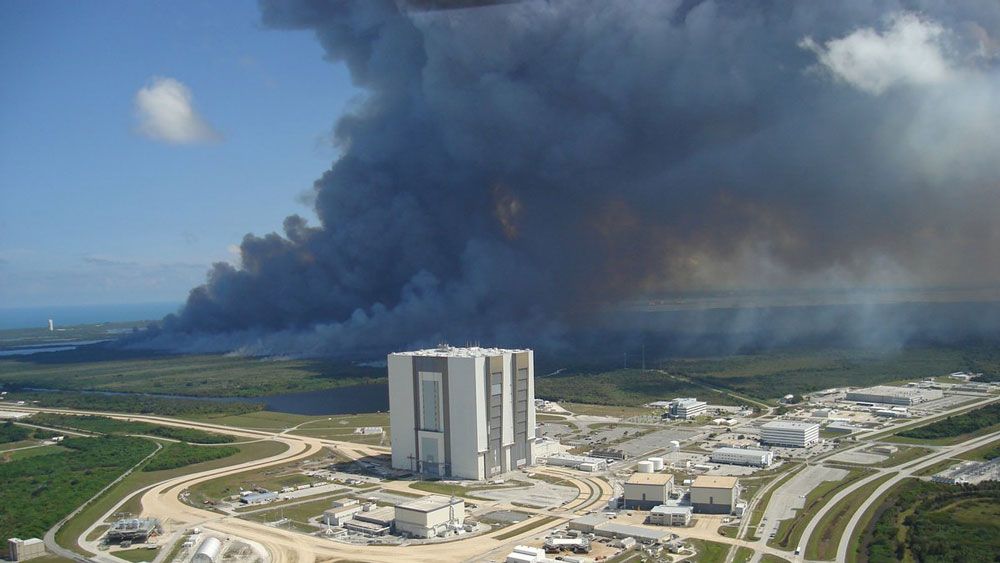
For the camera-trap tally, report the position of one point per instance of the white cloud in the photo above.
(909, 51)
(166, 113)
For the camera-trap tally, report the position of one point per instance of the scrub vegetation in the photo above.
(135, 404)
(105, 425)
(958, 425)
(39, 491)
(924, 521)
(181, 454)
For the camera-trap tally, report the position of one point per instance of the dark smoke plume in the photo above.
(518, 168)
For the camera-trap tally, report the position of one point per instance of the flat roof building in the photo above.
(462, 412)
(714, 494)
(22, 550)
(430, 516)
(670, 515)
(789, 433)
(688, 407)
(894, 395)
(742, 456)
(646, 490)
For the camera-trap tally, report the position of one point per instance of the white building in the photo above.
(741, 456)
(893, 395)
(581, 462)
(430, 516)
(688, 407)
(789, 433)
(462, 412)
(22, 550)
(670, 515)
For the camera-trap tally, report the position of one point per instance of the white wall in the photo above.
(401, 414)
(465, 393)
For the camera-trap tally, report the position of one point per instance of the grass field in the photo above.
(827, 534)
(102, 369)
(526, 527)
(983, 453)
(271, 478)
(790, 530)
(710, 551)
(903, 455)
(138, 554)
(743, 554)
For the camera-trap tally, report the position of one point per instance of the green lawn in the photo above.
(983, 453)
(526, 527)
(710, 551)
(743, 554)
(138, 554)
(826, 536)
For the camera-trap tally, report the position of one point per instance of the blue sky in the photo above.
(94, 209)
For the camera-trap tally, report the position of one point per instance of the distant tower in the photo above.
(51, 326)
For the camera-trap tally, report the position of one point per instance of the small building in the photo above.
(609, 453)
(714, 494)
(339, 516)
(208, 551)
(525, 554)
(430, 516)
(789, 433)
(368, 430)
(258, 498)
(619, 531)
(742, 456)
(687, 407)
(22, 550)
(588, 523)
(583, 463)
(670, 515)
(646, 490)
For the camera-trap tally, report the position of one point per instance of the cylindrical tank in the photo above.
(208, 551)
(675, 445)
(657, 463)
(645, 467)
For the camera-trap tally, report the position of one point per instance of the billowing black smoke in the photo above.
(517, 167)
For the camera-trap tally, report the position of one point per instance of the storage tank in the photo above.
(645, 467)
(208, 551)
(657, 463)
(675, 446)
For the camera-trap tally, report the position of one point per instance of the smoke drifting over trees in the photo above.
(515, 168)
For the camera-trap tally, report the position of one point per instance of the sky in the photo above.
(142, 141)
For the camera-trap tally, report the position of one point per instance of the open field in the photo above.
(100, 368)
(529, 526)
(105, 425)
(984, 453)
(826, 537)
(710, 551)
(623, 387)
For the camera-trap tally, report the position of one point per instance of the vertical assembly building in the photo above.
(462, 412)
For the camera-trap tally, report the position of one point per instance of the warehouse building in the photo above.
(208, 551)
(462, 412)
(789, 433)
(22, 550)
(714, 494)
(430, 516)
(742, 456)
(339, 516)
(670, 515)
(894, 395)
(376, 522)
(686, 407)
(583, 463)
(646, 490)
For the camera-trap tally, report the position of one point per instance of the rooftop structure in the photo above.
(650, 479)
(462, 412)
(742, 456)
(894, 395)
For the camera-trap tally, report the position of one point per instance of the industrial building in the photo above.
(583, 463)
(430, 516)
(742, 456)
(688, 407)
(670, 515)
(789, 433)
(376, 522)
(646, 490)
(462, 412)
(22, 550)
(258, 498)
(208, 551)
(713, 494)
(339, 516)
(132, 530)
(526, 554)
(894, 395)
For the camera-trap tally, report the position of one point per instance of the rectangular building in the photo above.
(22, 550)
(670, 515)
(646, 490)
(894, 395)
(430, 516)
(713, 494)
(742, 456)
(686, 407)
(462, 412)
(789, 433)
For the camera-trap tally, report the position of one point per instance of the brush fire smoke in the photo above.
(515, 169)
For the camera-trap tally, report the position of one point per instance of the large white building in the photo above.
(430, 516)
(789, 433)
(742, 456)
(893, 395)
(688, 407)
(714, 494)
(462, 412)
(646, 490)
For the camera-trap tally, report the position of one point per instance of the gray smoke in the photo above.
(516, 169)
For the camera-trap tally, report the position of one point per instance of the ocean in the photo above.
(65, 315)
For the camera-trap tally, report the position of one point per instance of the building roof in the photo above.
(670, 509)
(737, 451)
(460, 352)
(714, 482)
(429, 503)
(649, 479)
(890, 391)
(789, 425)
(632, 531)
